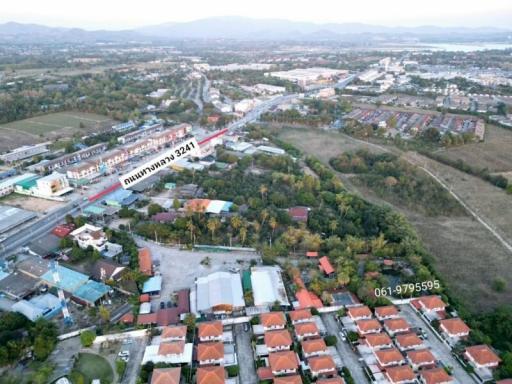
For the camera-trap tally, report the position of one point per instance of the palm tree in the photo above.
(243, 234)
(273, 224)
(263, 190)
(333, 225)
(192, 228)
(236, 222)
(213, 225)
(264, 216)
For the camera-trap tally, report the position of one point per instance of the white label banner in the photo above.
(186, 148)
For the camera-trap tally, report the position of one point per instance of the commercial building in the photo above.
(306, 76)
(12, 217)
(24, 152)
(219, 292)
(7, 185)
(47, 187)
(268, 286)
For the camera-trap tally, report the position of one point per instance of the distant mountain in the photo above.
(35, 33)
(246, 28)
(241, 28)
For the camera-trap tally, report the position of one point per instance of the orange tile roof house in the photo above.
(454, 328)
(278, 340)
(429, 304)
(421, 358)
(273, 320)
(435, 376)
(311, 254)
(283, 363)
(386, 312)
(360, 312)
(169, 348)
(145, 262)
(408, 341)
(166, 376)
(306, 330)
(378, 341)
(321, 365)
(211, 375)
(300, 316)
(299, 214)
(174, 333)
(365, 327)
(394, 326)
(481, 356)
(308, 299)
(294, 379)
(331, 380)
(313, 347)
(210, 331)
(325, 266)
(210, 353)
(389, 357)
(400, 375)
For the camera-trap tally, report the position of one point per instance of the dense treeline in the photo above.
(483, 173)
(395, 179)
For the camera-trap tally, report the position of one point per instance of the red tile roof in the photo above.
(210, 329)
(146, 319)
(167, 316)
(321, 363)
(311, 254)
(145, 262)
(300, 314)
(483, 355)
(284, 360)
(183, 301)
(430, 303)
(178, 331)
(171, 348)
(359, 312)
(313, 346)
(454, 326)
(325, 265)
(394, 325)
(388, 356)
(308, 299)
(294, 379)
(166, 376)
(408, 340)
(386, 311)
(400, 374)
(264, 373)
(421, 357)
(211, 375)
(144, 298)
(303, 329)
(369, 325)
(436, 376)
(378, 340)
(505, 381)
(127, 318)
(273, 319)
(298, 213)
(210, 351)
(278, 338)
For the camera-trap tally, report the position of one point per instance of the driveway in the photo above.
(63, 356)
(136, 348)
(439, 349)
(245, 355)
(347, 355)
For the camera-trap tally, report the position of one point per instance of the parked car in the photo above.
(246, 327)
(169, 304)
(162, 305)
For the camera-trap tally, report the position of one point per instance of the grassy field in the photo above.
(49, 127)
(495, 153)
(467, 255)
(94, 367)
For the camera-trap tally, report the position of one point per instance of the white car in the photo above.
(124, 354)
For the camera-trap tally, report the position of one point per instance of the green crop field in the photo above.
(51, 127)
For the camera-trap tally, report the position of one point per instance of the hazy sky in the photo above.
(115, 14)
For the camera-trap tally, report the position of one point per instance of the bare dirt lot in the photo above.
(495, 153)
(31, 203)
(467, 255)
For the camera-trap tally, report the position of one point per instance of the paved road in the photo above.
(136, 349)
(245, 355)
(439, 349)
(347, 355)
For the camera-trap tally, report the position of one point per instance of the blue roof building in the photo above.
(153, 285)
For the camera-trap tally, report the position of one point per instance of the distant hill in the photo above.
(241, 28)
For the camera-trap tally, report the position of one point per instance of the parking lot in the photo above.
(179, 268)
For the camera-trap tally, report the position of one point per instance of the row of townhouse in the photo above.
(109, 160)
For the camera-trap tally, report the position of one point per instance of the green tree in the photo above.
(87, 338)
